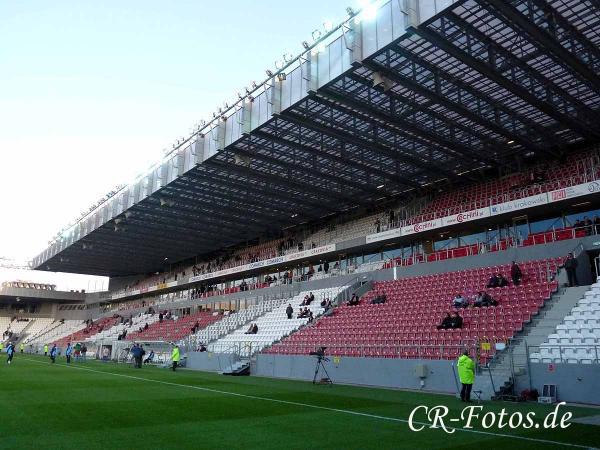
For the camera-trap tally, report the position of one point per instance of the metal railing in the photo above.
(558, 353)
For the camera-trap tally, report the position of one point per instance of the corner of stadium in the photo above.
(391, 242)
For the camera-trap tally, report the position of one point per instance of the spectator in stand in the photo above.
(311, 317)
(570, 266)
(289, 311)
(255, 329)
(250, 328)
(578, 225)
(459, 301)
(311, 298)
(146, 326)
(446, 323)
(354, 300)
(326, 263)
(377, 226)
(588, 226)
(515, 273)
(484, 300)
(457, 321)
(497, 281)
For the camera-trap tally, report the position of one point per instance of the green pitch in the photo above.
(108, 406)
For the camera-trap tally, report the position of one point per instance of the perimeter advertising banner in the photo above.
(466, 216)
(593, 187)
(522, 203)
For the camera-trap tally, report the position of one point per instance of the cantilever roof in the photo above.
(411, 98)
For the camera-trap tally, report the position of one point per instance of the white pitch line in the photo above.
(308, 405)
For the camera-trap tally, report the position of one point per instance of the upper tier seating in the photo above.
(577, 339)
(577, 169)
(173, 330)
(405, 325)
(272, 326)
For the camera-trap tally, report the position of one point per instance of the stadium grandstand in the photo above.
(414, 185)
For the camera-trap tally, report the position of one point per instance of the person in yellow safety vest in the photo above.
(466, 373)
(45, 349)
(22, 346)
(175, 357)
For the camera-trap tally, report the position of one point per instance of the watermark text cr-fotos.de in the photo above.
(473, 415)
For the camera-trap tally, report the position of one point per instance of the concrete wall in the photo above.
(577, 383)
(210, 362)
(383, 372)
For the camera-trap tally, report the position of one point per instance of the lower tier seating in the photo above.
(174, 330)
(577, 339)
(273, 325)
(405, 326)
(88, 331)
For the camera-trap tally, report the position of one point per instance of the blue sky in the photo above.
(91, 92)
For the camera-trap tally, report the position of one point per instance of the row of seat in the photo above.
(397, 323)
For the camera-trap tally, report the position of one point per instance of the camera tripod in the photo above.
(321, 365)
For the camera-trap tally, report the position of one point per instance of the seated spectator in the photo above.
(304, 301)
(484, 300)
(146, 326)
(324, 302)
(289, 311)
(255, 329)
(459, 301)
(250, 329)
(446, 323)
(311, 317)
(311, 298)
(150, 357)
(379, 300)
(497, 281)
(457, 321)
(354, 300)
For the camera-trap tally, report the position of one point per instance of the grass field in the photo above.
(107, 406)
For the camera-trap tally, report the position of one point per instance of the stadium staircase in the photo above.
(241, 367)
(499, 378)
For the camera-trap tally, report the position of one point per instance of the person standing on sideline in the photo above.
(571, 268)
(137, 353)
(175, 356)
(53, 353)
(45, 349)
(68, 352)
(466, 373)
(22, 347)
(10, 350)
